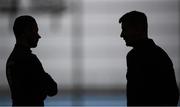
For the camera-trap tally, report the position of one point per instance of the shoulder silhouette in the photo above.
(150, 76)
(29, 83)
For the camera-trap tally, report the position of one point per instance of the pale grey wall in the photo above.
(103, 51)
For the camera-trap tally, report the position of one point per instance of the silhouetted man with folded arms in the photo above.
(150, 75)
(29, 83)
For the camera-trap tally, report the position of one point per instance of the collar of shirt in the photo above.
(144, 43)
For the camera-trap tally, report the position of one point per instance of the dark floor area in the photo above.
(71, 98)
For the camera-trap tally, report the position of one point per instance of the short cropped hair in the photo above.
(23, 23)
(135, 18)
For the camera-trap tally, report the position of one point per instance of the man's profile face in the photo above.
(32, 36)
(129, 33)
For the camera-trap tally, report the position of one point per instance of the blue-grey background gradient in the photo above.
(80, 44)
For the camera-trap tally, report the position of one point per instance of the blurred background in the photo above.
(81, 48)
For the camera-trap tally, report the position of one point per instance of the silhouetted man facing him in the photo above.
(29, 83)
(150, 74)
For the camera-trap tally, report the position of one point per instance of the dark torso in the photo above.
(27, 78)
(150, 77)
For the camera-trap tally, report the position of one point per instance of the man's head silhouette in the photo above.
(134, 27)
(26, 31)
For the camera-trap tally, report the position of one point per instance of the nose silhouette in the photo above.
(38, 36)
(122, 35)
